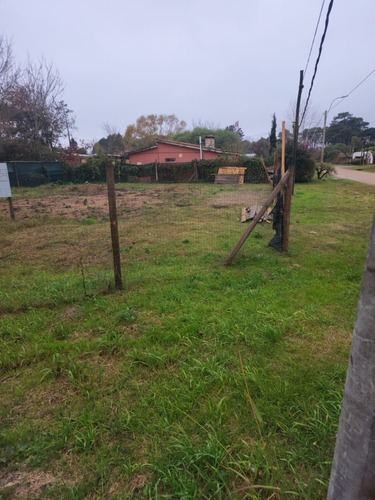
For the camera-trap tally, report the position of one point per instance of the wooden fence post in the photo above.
(114, 227)
(265, 169)
(11, 208)
(16, 175)
(288, 191)
(282, 148)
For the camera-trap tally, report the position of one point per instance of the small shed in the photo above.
(367, 156)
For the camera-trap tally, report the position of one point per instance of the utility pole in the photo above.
(289, 190)
(324, 137)
(325, 126)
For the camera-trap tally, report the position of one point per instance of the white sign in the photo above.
(4, 182)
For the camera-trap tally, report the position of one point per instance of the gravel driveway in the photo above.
(344, 172)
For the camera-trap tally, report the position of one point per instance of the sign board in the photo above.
(5, 191)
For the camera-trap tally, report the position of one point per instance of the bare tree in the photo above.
(151, 127)
(33, 115)
(47, 113)
(9, 73)
(312, 118)
(110, 129)
(205, 124)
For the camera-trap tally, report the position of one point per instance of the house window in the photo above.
(170, 160)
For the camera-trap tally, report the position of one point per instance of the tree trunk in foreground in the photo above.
(353, 468)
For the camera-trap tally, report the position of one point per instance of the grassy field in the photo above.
(197, 381)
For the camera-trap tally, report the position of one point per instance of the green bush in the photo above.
(93, 170)
(305, 170)
(34, 180)
(323, 169)
(305, 164)
(255, 173)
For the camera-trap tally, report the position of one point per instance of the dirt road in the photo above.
(344, 172)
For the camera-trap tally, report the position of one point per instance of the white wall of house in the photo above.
(368, 156)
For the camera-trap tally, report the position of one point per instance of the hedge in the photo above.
(93, 170)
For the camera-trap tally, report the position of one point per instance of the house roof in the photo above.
(187, 145)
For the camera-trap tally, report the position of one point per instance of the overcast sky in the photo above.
(215, 61)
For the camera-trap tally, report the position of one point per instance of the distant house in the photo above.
(166, 151)
(366, 155)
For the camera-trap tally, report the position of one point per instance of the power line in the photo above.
(318, 59)
(316, 29)
(355, 88)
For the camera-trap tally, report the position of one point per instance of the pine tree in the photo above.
(273, 134)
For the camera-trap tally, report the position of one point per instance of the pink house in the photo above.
(174, 152)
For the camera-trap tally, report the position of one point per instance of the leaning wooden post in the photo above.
(257, 218)
(265, 169)
(114, 227)
(353, 468)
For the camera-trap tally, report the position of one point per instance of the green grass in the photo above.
(195, 381)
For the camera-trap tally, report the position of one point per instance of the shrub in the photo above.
(255, 173)
(323, 169)
(305, 163)
(33, 180)
(336, 153)
(93, 170)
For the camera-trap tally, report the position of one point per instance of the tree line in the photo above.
(34, 118)
(345, 134)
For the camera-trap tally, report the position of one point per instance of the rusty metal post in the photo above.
(114, 227)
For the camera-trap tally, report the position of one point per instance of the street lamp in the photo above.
(325, 124)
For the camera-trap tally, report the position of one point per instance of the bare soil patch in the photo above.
(27, 484)
(91, 201)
